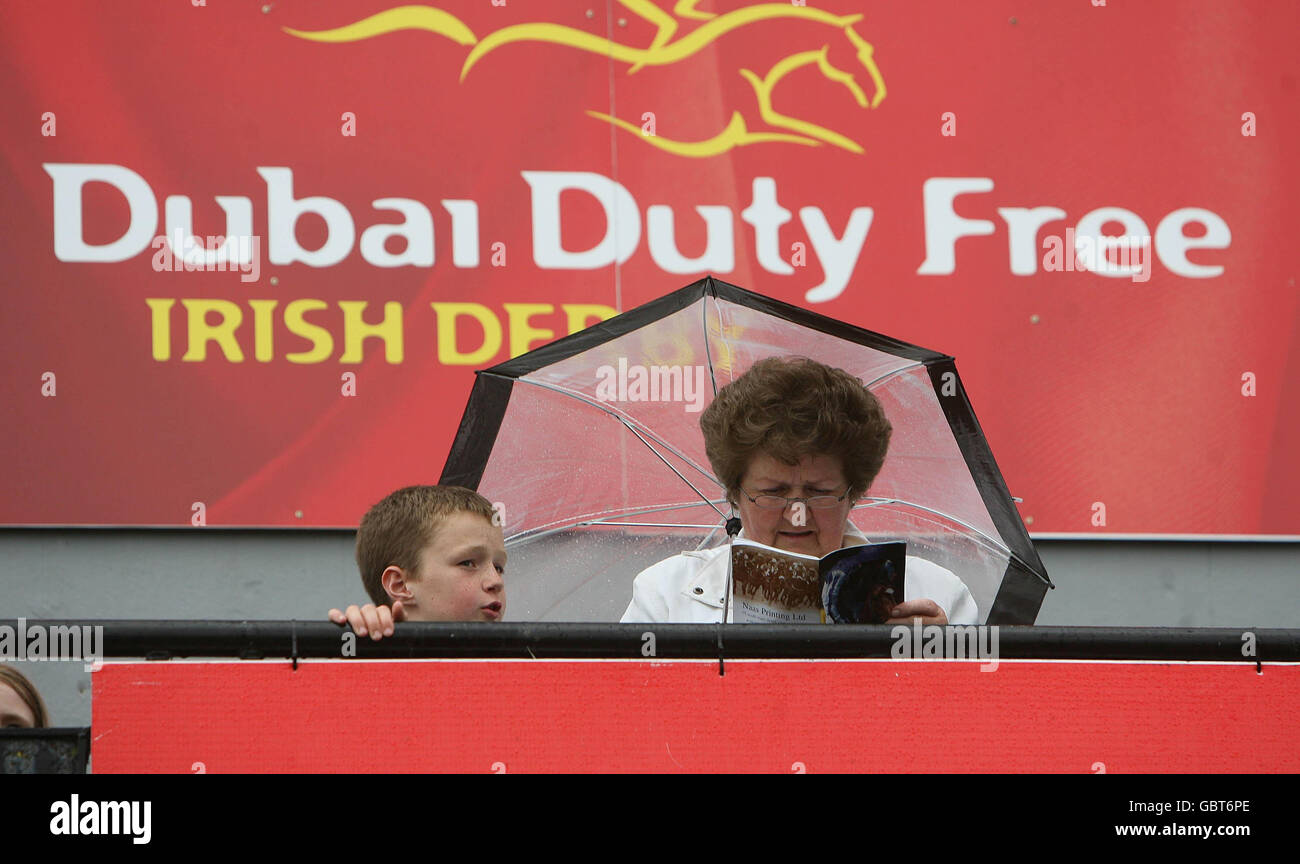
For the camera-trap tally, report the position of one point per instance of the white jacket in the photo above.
(688, 588)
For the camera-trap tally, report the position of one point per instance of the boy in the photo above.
(428, 553)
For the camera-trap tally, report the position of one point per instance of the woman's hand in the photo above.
(376, 621)
(927, 611)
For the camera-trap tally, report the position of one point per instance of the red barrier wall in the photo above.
(670, 716)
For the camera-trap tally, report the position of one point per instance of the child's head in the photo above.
(21, 704)
(439, 550)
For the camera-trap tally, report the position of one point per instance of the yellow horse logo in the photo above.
(663, 50)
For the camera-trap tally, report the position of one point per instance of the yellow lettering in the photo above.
(448, 354)
(220, 321)
(161, 326)
(322, 342)
(523, 334)
(356, 330)
(263, 335)
(222, 333)
(578, 314)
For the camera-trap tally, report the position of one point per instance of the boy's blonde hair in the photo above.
(396, 530)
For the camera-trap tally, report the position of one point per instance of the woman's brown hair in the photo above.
(791, 407)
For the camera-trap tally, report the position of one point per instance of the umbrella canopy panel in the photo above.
(592, 448)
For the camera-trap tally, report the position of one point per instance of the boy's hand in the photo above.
(377, 621)
(928, 611)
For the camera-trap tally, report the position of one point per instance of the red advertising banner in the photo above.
(876, 716)
(254, 251)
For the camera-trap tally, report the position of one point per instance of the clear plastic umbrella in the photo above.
(592, 449)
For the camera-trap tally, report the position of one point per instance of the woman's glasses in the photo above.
(780, 502)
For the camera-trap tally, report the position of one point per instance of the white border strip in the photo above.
(308, 529)
(659, 661)
(1182, 538)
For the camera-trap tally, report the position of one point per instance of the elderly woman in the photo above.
(791, 430)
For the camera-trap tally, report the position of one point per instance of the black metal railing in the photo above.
(317, 639)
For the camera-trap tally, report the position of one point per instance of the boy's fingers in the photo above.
(357, 621)
(385, 620)
(372, 621)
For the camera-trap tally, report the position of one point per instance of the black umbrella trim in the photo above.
(478, 430)
(1019, 597)
(646, 313)
(1022, 587)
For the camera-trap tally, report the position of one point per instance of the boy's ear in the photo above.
(396, 583)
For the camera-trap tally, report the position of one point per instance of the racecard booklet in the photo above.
(853, 585)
